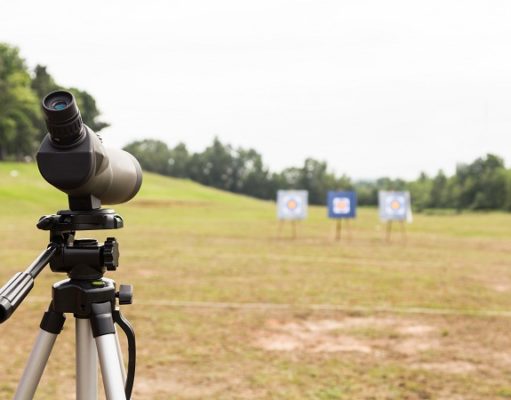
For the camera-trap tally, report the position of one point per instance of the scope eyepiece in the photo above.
(63, 118)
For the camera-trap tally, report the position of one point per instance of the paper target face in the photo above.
(395, 206)
(292, 204)
(342, 204)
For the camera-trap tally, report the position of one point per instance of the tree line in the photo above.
(484, 184)
(21, 121)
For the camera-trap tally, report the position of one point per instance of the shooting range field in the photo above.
(226, 309)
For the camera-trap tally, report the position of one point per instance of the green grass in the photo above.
(183, 243)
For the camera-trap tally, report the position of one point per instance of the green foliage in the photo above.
(153, 155)
(420, 190)
(22, 125)
(19, 111)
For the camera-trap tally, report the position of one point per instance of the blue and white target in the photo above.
(395, 206)
(292, 204)
(342, 204)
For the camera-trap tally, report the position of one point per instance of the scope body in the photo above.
(88, 168)
(73, 159)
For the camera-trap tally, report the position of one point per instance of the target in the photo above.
(342, 204)
(395, 206)
(292, 204)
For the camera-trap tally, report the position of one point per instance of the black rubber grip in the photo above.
(13, 293)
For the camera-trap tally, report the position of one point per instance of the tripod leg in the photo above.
(51, 326)
(119, 354)
(86, 362)
(103, 330)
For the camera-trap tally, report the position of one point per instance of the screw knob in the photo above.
(125, 294)
(111, 254)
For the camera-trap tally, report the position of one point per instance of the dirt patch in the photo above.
(449, 367)
(313, 343)
(416, 330)
(328, 325)
(413, 346)
(343, 344)
(501, 287)
(330, 336)
(321, 336)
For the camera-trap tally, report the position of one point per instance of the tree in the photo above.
(19, 111)
(438, 196)
(153, 155)
(215, 166)
(481, 185)
(179, 158)
(420, 191)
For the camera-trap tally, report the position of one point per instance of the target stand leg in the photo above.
(403, 231)
(389, 231)
(293, 227)
(279, 228)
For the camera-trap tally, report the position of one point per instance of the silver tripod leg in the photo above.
(86, 362)
(119, 354)
(35, 366)
(110, 367)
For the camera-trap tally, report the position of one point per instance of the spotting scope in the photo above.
(73, 159)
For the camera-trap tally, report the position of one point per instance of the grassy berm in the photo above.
(226, 307)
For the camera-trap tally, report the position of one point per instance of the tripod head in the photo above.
(80, 259)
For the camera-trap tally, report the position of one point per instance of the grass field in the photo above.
(228, 308)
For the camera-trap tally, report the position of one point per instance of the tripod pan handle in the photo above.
(13, 293)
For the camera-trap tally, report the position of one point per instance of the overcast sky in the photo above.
(373, 87)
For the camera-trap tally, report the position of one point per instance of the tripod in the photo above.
(90, 297)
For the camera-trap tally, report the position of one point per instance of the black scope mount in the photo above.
(82, 259)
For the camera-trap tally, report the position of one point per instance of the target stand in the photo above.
(342, 205)
(388, 231)
(292, 207)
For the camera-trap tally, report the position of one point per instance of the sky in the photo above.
(375, 88)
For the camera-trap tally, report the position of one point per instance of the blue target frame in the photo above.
(342, 205)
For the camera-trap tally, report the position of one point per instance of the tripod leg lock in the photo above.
(52, 322)
(101, 319)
